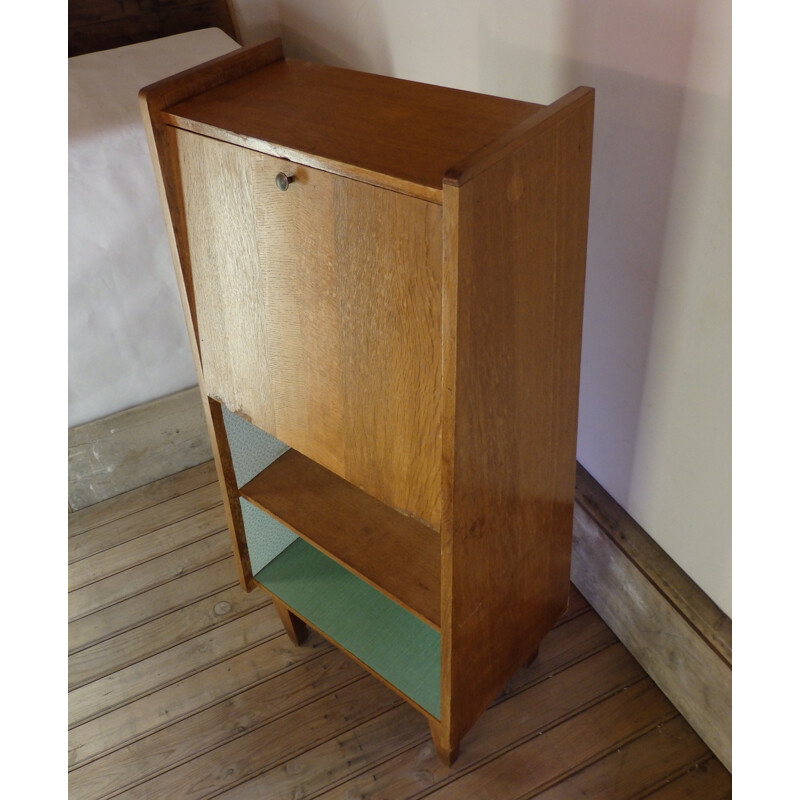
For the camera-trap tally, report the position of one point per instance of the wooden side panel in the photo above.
(161, 141)
(515, 245)
(227, 480)
(319, 315)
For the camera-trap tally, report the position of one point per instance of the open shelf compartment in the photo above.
(362, 574)
(386, 638)
(393, 552)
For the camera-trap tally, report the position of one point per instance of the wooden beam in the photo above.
(680, 637)
(515, 251)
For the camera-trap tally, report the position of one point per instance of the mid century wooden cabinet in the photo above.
(383, 282)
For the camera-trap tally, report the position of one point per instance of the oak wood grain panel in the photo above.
(162, 144)
(318, 314)
(220, 216)
(394, 553)
(389, 252)
(515, 252)
(298, 297)
(163, 152)
(404, 131)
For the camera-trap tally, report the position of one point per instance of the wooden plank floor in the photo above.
(183, 686)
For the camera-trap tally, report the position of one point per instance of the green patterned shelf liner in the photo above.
(266, 537)
(383, 635)
(252, 449)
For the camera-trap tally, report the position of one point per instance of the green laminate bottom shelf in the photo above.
(383, 635)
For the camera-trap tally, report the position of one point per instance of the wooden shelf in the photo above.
(393, 552)
(386, 638)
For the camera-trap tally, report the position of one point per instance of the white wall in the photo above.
(655, 386)
(127, 337)
(257, 19)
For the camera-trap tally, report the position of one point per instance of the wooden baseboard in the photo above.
(680, 637)
(131, 448)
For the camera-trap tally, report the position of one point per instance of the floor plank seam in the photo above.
(233, 738)
(673, 776)
(175, 643)
(142, 534)
(565, 665)
(182, 574)
(397, 702)
(600, 755)
(569, 617)
(185, 675)
(243, 733)
(223, 529)
(539, 731)
(111, 500)
(419, 741)
(145, 509)
(116, 520)
(501, 698)
(325, 647)
(148, 620)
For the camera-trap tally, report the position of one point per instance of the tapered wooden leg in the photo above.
(445, 747)
(295, 627)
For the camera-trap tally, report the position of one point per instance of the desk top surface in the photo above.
(412, 132)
